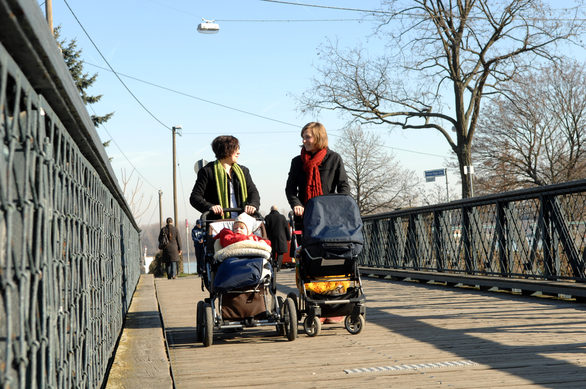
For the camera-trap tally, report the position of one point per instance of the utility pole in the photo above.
(175, 128)
(49, 14)
(160, 209)
(447, 188)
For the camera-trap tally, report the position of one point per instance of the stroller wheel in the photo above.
(280, 326)
(208, 326)
(293, 297)
(290, 318)
(199, 314)
(312, 326)
(354, 326)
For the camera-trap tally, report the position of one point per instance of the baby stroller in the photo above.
(241, 284)
(327, 272)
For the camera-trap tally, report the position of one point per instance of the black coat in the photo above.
(205, 195)
(277, 231)
(171, 251)
(333, 178)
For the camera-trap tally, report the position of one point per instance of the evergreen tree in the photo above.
(83, 80)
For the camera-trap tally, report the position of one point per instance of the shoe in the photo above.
(334, 319)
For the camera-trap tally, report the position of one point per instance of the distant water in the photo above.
(190, 267)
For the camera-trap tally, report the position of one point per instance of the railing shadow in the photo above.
(185, 337)
(147, 319)
(520, 360)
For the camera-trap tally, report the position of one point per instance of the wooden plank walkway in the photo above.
(418, 335)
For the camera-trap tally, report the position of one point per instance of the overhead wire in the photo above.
(197, 98)
(417, 15)
(289, 20)
(118, 76)
(238, 110)
(112, 69)
(152, 214)
(326, 7)
(103, 126)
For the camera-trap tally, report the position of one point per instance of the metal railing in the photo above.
(69, 246)
(533, 234)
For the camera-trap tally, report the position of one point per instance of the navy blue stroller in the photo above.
(241, 284)
(328, 279)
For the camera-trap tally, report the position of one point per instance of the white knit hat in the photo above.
(247, 220)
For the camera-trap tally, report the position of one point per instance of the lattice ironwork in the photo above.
(532, 234)
(69, 254)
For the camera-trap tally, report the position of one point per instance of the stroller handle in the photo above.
(204, 215)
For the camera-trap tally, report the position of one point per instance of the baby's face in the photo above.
(239, 228)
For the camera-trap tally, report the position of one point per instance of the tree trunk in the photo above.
(465, 161)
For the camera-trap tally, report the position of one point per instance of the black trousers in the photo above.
(277, 260)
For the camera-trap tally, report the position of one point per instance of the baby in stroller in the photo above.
(328, 279)
(241, 281)
(242, 229)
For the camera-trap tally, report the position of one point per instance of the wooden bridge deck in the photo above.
(419, 335)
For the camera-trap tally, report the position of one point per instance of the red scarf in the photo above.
(310, 166)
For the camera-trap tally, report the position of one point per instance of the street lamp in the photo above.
(175, 128)
(208, 26)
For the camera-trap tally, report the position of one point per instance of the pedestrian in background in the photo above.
(279, 234)
(170, 243)
(197, 235)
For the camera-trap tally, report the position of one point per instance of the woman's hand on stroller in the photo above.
(250, 209)
(217, 209)
(298, 210)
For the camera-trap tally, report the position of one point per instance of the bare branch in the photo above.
(461, 52)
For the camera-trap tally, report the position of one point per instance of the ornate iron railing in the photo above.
(69, 247)
(537, 234)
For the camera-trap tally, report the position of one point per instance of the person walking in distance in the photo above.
(279, 234)
(170, 243)
(197, 235)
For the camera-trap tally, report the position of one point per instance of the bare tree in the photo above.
(537, 135)
(454, 52)
(377, 181)
(135, 195)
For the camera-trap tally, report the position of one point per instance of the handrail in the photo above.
(536, 233)
(70, 253)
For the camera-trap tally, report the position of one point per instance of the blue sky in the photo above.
(253, 66)
(257, 67)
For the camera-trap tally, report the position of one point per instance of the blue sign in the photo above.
(435, 173)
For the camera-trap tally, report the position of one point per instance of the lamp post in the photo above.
(175, 128)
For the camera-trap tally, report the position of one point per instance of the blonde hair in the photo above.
(318, 131)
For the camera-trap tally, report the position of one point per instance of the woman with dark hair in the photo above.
(317, 171)
(170, 243)
(224, 183)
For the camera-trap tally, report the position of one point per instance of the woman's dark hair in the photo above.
(224, 146)
(169, 230)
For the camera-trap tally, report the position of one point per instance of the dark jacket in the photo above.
(197, 235)
(204, 194)
(277, 231)
(333, 178)
(171, 251)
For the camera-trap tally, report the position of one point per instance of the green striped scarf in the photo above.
(222, 184)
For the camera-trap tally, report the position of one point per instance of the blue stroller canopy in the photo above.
(330, 219)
